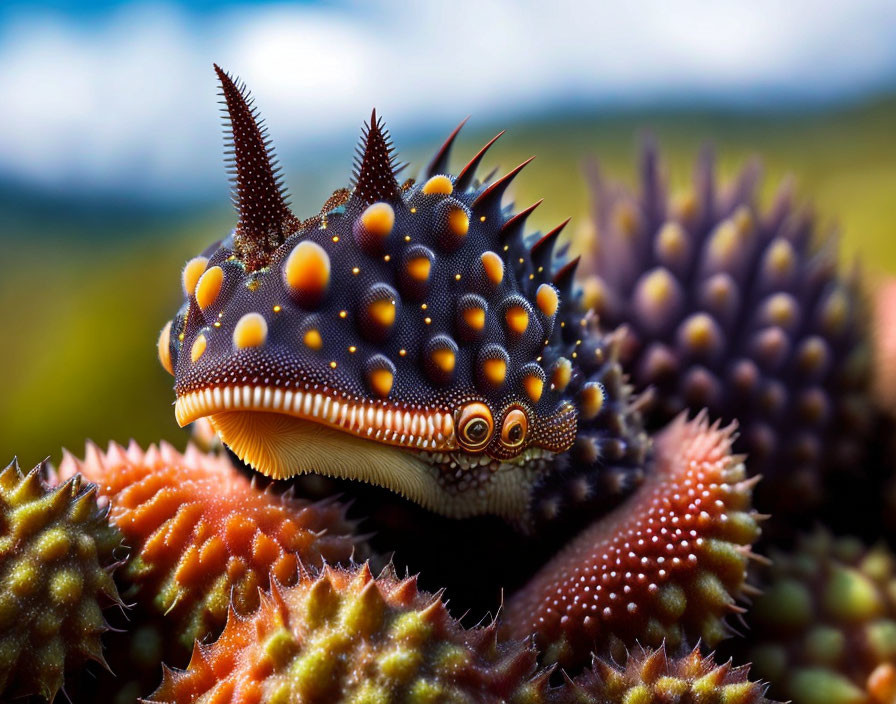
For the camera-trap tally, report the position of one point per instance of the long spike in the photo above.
(515, 223)
(465, 179)
(374, 178)
(542, 251)
(496, 190)
(439, 163)
(265, 220)
(564, 278)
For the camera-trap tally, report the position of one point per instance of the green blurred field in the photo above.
(83, 297)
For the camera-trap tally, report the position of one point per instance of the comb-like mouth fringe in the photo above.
(431, 431)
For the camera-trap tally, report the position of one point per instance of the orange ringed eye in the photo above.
(474, 425)
(513, 431)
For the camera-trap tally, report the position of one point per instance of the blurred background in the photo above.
(111, 173)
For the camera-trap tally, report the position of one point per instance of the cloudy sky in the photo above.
(96, 95)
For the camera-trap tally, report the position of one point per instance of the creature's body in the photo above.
(410, 336)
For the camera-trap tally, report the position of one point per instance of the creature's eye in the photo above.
(513, 432)
(475, 426)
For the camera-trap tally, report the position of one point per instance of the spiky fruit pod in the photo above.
(824, 629)
(202, 533)
(885, 346)
(741, 312)
(344, 636)
(650, 676)
(56, 559)
(666, 565)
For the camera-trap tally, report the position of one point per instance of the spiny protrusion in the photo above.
(306, 273)
(378, 310)
(438, 185)
(265, 221)
(666, 565)
(374, 177)
(561, 373)
(345, 636)
(439, 163)
(373, 227)
(542, 252)
(494, 191)
(467, 174)
(591, 399)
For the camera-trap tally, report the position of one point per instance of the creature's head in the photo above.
(406, 335)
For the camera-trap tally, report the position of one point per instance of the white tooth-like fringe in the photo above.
(267, 398)
(318, 403)
(278, 399)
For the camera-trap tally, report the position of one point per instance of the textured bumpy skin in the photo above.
(824, 629)
(666, 565)
(741, 312)
(202, 534)
(408, 335)
(56, 559)
(651, 677)
(346, 637)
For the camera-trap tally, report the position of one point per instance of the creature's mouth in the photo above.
(428, 431)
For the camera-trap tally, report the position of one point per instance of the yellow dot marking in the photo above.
(427, 320)
(198, 348)
(180, 337)
(474, 317)
(547, 300)
(277, 309)
(459, 222)
(423, 306)
(457, 277)
(387, 258)
(402, 352)
(407, 238)
(332, 365)
(251, 331)
(413, 210)
(419, 268)
(209, 286)
(495, 371)
(671, 242)
(343, 313)
(335, 238)
(781, 310)
(482, 219)
(517, 319)
(444, 359)
(534, 386)
(192, 271)
(217, 323)
(312, 339)
(438, 185)
(356, 270)
(781, 256)
(561, 374)
(494, 267)
(352, 349)
(164, 346)
(381, 381)
(382, 312)
(592, 400)
(698, 330)
(379, 219)
(307, 269)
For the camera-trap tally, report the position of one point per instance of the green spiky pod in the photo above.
(824, 630)
(345, 636)
(56, 559)
(651, 677)
(743, 312)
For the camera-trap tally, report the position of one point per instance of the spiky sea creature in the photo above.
(57, 553)
(739, 311)
(344, 636)
(202, 533)
(824, 629)
(652, 677)
(666, 566)
(408, 335)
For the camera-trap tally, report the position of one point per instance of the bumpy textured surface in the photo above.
(347, 637)
(201, 533)
(651, 677)
(824, 630)
(56, 558)
(408, 335)
(741, 312)
(666, 565)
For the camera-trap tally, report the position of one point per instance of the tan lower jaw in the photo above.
(431, 431)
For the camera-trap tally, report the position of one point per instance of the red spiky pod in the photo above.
(743, 312)
(202, 533)
(56, 558)
(345, 636)
(652, 677)
(666, 565)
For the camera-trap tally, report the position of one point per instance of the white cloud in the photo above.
(130, 99)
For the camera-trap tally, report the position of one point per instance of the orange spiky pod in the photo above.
(651, 676)
(202, 533)
(345, 636)
(666, 565)
(56, 558)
